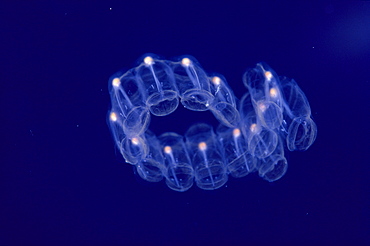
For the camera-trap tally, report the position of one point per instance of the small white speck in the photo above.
(77, 125)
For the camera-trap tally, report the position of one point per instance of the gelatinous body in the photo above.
(272, 116)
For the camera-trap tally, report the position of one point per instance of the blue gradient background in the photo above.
(63, 183)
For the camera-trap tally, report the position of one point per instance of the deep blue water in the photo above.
(62, 182)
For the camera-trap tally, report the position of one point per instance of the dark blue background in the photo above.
(61, 181)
